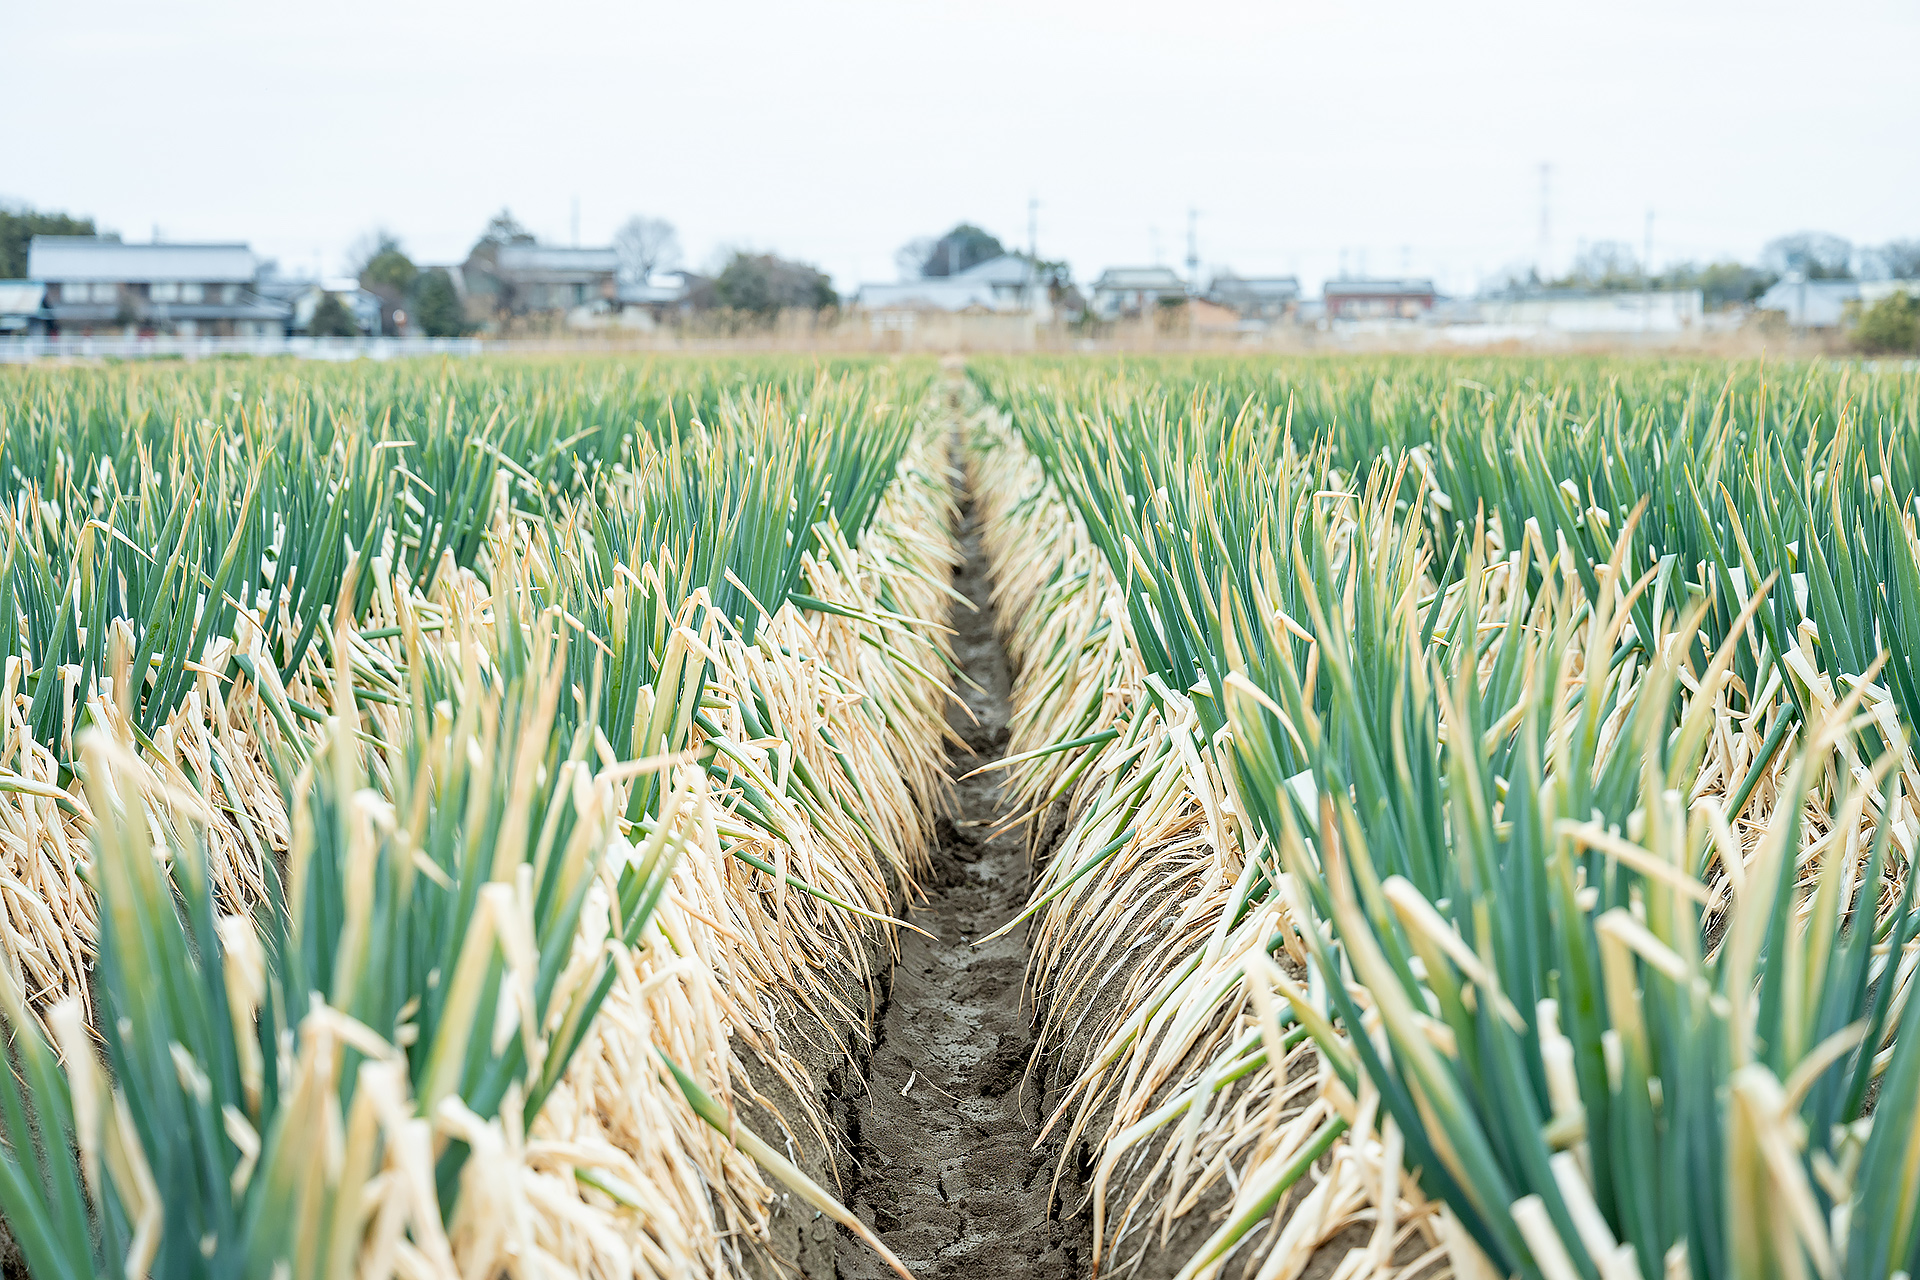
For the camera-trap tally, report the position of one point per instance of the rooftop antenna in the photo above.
(1540, 258)
(576, 222)
(1193, 251)
(1154, 234)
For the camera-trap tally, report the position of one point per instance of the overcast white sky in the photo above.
(1389, 135)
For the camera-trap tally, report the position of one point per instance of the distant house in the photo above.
(1378, 299)
(1256, 297)
(523, 277)
(1596, 310)
(22, 307)
(362, 304)
(664, 291)
(94, 283)
(1003, 284)
(1133, 291)
(1810, 304)
(301, 294)
(645, 303)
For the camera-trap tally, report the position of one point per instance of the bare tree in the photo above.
(1896, 260)
(645, 245)
(1606, 264)
(504, 228)
(911, 257)
(1817, 255)
(367, 246)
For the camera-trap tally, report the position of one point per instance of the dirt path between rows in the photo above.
(943, 1160)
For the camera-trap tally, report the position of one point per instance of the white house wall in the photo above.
(1675, 311)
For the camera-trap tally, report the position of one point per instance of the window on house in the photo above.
(165, 291)
(229, 294)
(191, 292)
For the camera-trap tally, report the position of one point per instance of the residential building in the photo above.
(660, 291)
(524, 277)
(1596, 310)
(646, 303)
(1378, 299)
(22, 307)
(364, 305)
(301, 294)
(98, 284)
(1256, 297)
(1810, 304)
(1004, 284)
(1134, 291)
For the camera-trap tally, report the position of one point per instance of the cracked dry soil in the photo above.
(943, 1162)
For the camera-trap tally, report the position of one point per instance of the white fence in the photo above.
(27, 350)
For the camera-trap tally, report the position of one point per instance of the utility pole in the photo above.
(576, 222)
(1193, 253)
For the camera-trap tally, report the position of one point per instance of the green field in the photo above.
(1472, 805)
(1532, 741)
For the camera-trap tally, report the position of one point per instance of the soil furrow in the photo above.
(943, 1160)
